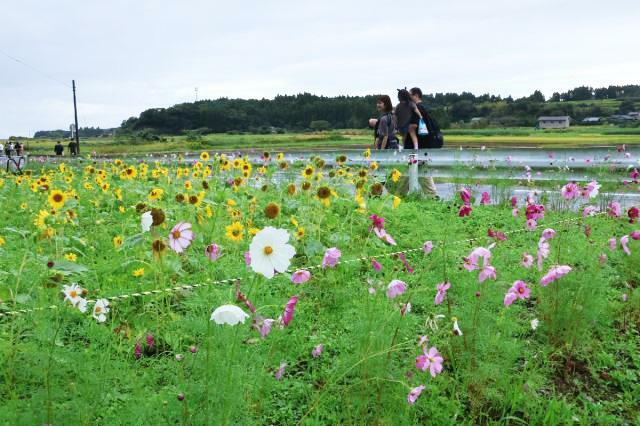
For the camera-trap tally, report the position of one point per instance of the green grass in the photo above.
(60, 366)
(355, 139)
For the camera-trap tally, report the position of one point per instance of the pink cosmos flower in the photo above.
(555, 273)
(396, 288)
(520, 289)
(465, 195)
(247, 258)
(317, 351)
(514, 201)
(614, 209)
(442, 292)
(280, 372)
(543, 251)
(384, 236)
(531, 224)
(633, 213)
(509, 298)
(137, 351)
(635, 235)
(485, 199)
(527, 260)
(486, 273)
(180, 237)
(613, 243)
(405, 262)
(288, 310)
(569, 191)
(465, 210)
(376, 222)
(414, 394)
(471, 263)
(589, 211)
(212, 252)
(331, 257)
(591, 190)
(635, 174)
(514, 212)
(300, 276)
(548, 234)
(624, 242)
(535, 211)
(264, 327)
(602, 259)
(431, 360)
(427, 247)
(376, 265)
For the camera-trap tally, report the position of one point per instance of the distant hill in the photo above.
(306, 111)
(85, 132)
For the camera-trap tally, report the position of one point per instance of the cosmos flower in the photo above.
(441, 292)
(570, 191)
(317, 351)
(100, 309)
(465, 210)
(427, 247)
(212, 252)
(633, 213)
(465, 195)
(624, 242)
(486, 199)
(289, 310)
(486, 273)
(414, 394)
(376, 265)
(589, 211)
(430, 360)
(527, 260)
(554, 273)
(614, 209)
(229, 314)
(280, 371)
(146, 220)
(180, 237)
(301, 276)
(471, 262)
(270, 251)
(396, 288)
(72, 293)
(331, 257)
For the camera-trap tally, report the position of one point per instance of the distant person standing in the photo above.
(58, 149)
(72, 148)
(19, 148)
(433, 138)
(8, 148)
(386, 126)
(1, 147)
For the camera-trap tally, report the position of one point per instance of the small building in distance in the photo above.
(554, 122)
(591, 120)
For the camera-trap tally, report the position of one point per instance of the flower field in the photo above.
(212, 292)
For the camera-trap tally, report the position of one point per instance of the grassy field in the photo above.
(372, 337)
(353, 139)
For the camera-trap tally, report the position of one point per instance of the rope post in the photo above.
(414, 186)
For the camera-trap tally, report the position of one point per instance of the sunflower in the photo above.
(129, 173)
(395, 175)
(158, 216)
(188, 185)
(204, 156)
(308, 171)
(41, 218)
(341, 159)
(299, 233)
(291, 189)
(57, 199)
(373, 166)
(283, 165)
(155, 194)
(138, 272)
(280, 156)
(158, 246)
(117, 241)
(71, 257)
(237, 163)
(376, 189)
(272, 210)
(363, 173)
(324, 195)
(235, 231)
(367, 153)
(306, 186)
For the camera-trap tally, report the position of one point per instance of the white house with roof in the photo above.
(554, 122)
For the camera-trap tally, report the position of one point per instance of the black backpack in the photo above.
(435, 138)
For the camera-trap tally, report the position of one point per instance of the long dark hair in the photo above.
(386, 101)
(404, 95)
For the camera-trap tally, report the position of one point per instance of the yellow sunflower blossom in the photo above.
(2, 241)
(155, 194)
(138, 272)
(395, 175)
(57, 199)
(71, 257)
(396, 201)
(117, 241)
(235, 231)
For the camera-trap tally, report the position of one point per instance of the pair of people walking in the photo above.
(409, 119)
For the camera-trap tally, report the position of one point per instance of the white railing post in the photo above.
(414, 185)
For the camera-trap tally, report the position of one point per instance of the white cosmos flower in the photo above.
(100, 309)
(534, 323)
(228, 314)
(82, 305)
(270, 252)
(72, 293)
(146, 220)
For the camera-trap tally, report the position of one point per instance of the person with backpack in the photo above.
(58, 149)
(404, 112)
(429, 133)
(385, 126)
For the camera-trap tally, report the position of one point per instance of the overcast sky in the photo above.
(127, 56)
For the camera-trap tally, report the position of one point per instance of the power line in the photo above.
(31, 67)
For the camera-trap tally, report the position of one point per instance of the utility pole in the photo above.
(196, 94)
(75, 115)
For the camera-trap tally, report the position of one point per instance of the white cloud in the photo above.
(128, 56)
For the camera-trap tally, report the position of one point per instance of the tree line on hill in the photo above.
(85, 132)
(311, 112)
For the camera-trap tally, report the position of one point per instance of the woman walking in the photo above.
(386, 126)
